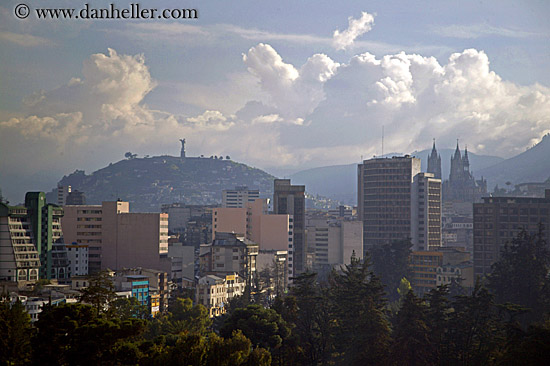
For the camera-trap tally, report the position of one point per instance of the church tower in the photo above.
(182, 152)
(434, 163)
(466, 161)
(457, 165)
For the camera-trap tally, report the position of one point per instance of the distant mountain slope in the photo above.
(147, 183)
(339, 182)
(532, 165)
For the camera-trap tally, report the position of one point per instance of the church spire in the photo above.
(466, 160)
(457, 151)
(434, 163)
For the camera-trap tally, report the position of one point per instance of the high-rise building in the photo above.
(239, 197)
(384, 198)
(290, 200)
(499, 219)
(62, 194)
(426, 212)
(48, 238)
(19, 259)
(37, 223)
(75, 197)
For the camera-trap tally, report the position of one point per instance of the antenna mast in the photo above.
(382, 140)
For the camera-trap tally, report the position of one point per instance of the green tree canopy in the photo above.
(390, 262)
(362, 330)
(520, 276)
(16, 331)
(264, 327)
(100, 292)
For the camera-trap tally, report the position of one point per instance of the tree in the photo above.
(264, 327)
(437, 319)
(184, 316)
(411, 344)
(127, 308)
(520, 276)
(309, 308)
(475, 332)
(362, 333)
(130, 156)
(529, 348)
(390, 262)
(100, 291)
(74, 334)
(16, 330)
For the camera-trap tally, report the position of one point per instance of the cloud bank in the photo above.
(319, 113)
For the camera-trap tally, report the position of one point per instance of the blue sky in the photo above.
(269, 83)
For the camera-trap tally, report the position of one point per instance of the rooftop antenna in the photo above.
(382, 140)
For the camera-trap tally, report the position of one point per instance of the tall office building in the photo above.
(499, 219)
(384, 198)
(239, 197)
(290, 200)
(426, 212)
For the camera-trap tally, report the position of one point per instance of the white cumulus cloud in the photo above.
(295, 93)
(357, 27)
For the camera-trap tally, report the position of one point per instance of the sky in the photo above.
(281, 85)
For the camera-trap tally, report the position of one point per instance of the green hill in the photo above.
(147, 183)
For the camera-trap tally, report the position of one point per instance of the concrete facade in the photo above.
(290, 199)
(78, 259)
(239, 197)
(333, 241)
(125, 239)
(19, 259)
(424, 267)
(269, 231)
(426, 212)
(384, 198)
(499, 219)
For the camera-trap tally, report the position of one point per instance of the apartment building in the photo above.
(497, 220)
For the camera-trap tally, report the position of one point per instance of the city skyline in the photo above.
(277, 86)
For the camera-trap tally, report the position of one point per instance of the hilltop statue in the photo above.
(182, 153)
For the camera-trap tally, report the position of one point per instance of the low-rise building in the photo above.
(424, 265)
(229, 254)
(211, 292)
